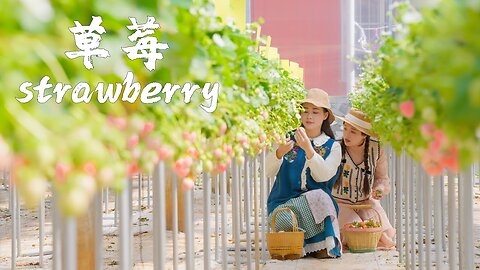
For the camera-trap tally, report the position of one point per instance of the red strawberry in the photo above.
(427, 130)
(432, 167)
(153, 144)
(192, 152)
(265, 115)
(221, 167)
(132, 141)
(164, 153)
(243, 139)
(136, 153)
(61, 171)
(223, 129)
(188, 161)
(148, 127)
(182, 166)
(90, 168)
(218, 153)
(450, 159)
(118, 122)
(132, 169)
(228, 149)
(407, 108)
(189, 136)
(263, 137)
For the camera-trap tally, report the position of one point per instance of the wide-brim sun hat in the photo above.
(319, 98)
(360, 121)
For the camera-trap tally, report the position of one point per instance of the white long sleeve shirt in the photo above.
(321, 169)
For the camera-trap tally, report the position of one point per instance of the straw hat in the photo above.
(360, 121)
(319, 98)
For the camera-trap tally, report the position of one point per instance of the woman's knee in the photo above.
(347, 215)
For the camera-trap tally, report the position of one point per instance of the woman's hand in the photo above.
(377, 194)
(304, 142)
(284, 148)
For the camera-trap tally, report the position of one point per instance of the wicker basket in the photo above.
(362, 240)
(285, 245)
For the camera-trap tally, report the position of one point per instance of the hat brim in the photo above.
(331, 116)
(363, 130)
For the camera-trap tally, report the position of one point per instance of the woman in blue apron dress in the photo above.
(306, 168)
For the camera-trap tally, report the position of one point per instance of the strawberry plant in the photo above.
(78, 148)
(422, 89)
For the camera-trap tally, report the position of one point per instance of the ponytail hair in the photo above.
(342, 164)
(326, 128)
(368, 172)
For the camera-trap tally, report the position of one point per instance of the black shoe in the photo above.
(321, 254)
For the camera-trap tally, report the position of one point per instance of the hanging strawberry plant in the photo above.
(422, 89)
(78, 148)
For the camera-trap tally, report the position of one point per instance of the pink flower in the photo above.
(407, 108)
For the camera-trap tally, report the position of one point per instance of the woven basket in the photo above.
(285, 245)
(361, 240)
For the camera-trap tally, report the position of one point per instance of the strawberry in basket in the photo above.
(362, 236)
(364, 224)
